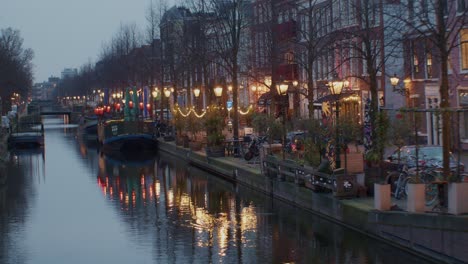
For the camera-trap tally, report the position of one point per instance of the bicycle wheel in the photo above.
(405, 185)
(248, 156)
(392, 179)
(432, 194)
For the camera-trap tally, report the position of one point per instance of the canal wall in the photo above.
(440, 238)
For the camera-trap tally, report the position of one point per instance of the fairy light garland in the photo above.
(246, 112)
(177, 109)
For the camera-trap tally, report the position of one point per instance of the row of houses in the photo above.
(249, 47)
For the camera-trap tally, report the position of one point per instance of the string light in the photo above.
(191, 110)
(246, 112)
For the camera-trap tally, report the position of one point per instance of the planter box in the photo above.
(371, 176)
(416, 200)
(458, 198)
(382, 197)
(215, 151)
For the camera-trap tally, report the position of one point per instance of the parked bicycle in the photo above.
(398, 179)
(254, 148)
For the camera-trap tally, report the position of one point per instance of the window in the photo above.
(289, 56)
(429, 64)
(463, 103)
(464, 48)
(415, 59)
(461, 5)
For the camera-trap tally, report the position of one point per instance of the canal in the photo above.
(67, 203)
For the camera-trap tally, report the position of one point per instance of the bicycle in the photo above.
(397, 180)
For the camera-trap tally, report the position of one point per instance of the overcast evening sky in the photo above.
(68, 33)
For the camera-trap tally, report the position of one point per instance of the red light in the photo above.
(130, 104)
(117, 107)
(141, 106)
(108, 108)
(148, 106)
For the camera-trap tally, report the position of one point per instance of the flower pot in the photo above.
(416, 200)
(382, 197)
(458, 198)
(215, 151)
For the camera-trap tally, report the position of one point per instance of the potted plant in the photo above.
(214, 125)
(180, 125)
(416, 195)
(374, 157)
(194, 125)
(457, 195)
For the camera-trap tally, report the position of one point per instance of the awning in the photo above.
(334, 97)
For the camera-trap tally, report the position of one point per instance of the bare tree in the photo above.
(313, 42)
(229, 26)
(365, 42)
(439, 22)
(15, 66)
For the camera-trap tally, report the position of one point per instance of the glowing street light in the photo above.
(218, 91)
(196, 92)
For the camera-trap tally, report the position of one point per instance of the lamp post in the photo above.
(218, 91)
(155, 94)
(167, 94)
(336, 87)
(394, 81)
(282, 90)
(196, 93)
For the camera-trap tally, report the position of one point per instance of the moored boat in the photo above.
(127, 136)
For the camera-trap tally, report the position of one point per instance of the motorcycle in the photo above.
(254, 148)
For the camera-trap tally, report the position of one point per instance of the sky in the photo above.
(68, 33)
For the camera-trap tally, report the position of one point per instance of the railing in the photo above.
(114, 128)
(342, 185)
(23, 127)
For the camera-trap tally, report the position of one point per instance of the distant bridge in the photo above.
(45, 108)
(56, 112)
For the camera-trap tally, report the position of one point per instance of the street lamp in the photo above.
(394, 81)
(336, 87)
(282, 90)
(218, 91)
(196, 92)
(167, 94)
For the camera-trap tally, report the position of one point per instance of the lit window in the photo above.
(429, 64)
(464, 48)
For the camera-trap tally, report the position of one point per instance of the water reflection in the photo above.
(73, 204)
(17, 196)
(186, 215)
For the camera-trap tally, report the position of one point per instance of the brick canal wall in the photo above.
(444, 238)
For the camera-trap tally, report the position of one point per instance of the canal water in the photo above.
(67, 203)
